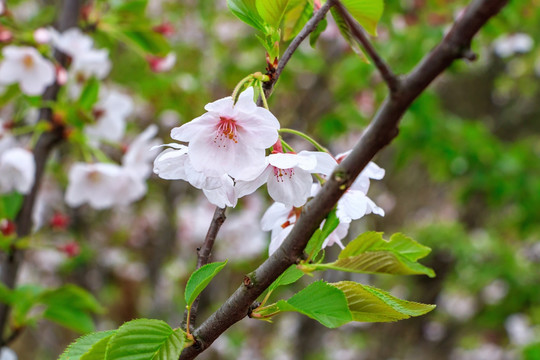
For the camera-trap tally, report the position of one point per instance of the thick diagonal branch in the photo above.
(67, 18)
(380, 132)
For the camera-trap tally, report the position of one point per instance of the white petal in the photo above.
(351, 206)
(224, 195)
(245, 101)
(325, 162)
(244, 188)
(276, 215)
(278, 236)
(189, 131)
(373, 171)
(291, 187)
(283, 161)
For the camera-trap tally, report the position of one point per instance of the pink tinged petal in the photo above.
(290, 186)
(244, 188)
(351, 206)
(277, 238)
(223, 196)
(325, 162)
(169, 165)
(195, 128)
(276, 215)
(212, 155)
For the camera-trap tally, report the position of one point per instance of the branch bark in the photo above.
(68, 17)
(379, 133)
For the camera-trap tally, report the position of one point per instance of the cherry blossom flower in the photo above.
(508, 45)
(110, 112)
(42, 35)
(17, 167)
(102, 185)
(26, 66)
(288, 176)
(230, 138)
(279, 219)
(337, 235)
(72, 42)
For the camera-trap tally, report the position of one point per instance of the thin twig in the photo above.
(203, 257)
(380, 132)
(68, 17)
(387, 74)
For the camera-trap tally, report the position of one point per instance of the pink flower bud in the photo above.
(165, 29)
(162, 64)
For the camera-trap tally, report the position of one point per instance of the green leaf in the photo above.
(200, 279)
(370, 253)
(246, 10)
(317, 239)
(10, 204)
(135, 8)
(366, 12)
(71, 318)
(70, 306)
(289, 276)
(148, 41)
(272, 11)
(346, 33)
(296, 16)
(88, 347)
(146, 339)
(314, 36)
(370, 304)
(24, 298)
(89, 94)
(320, 301)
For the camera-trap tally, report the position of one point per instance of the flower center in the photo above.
(226, 132)
(28, 61)
(281, 174)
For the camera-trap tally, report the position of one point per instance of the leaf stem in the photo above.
(263, 97)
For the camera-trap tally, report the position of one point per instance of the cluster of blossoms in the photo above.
(226, 158)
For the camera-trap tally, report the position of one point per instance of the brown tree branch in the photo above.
(359, 34)
(379, 133)
(67, 18)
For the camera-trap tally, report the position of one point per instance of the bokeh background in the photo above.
(462, 177)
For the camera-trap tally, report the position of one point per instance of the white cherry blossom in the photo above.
(337, 235)
(102, 185)
(72, 42)
(17, 169)
(230, 138)
(26, 66)
(288, 176)
(111, 112)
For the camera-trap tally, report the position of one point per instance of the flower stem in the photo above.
(306, 137)
(238, 87)
(287, 146)
(263, 97)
